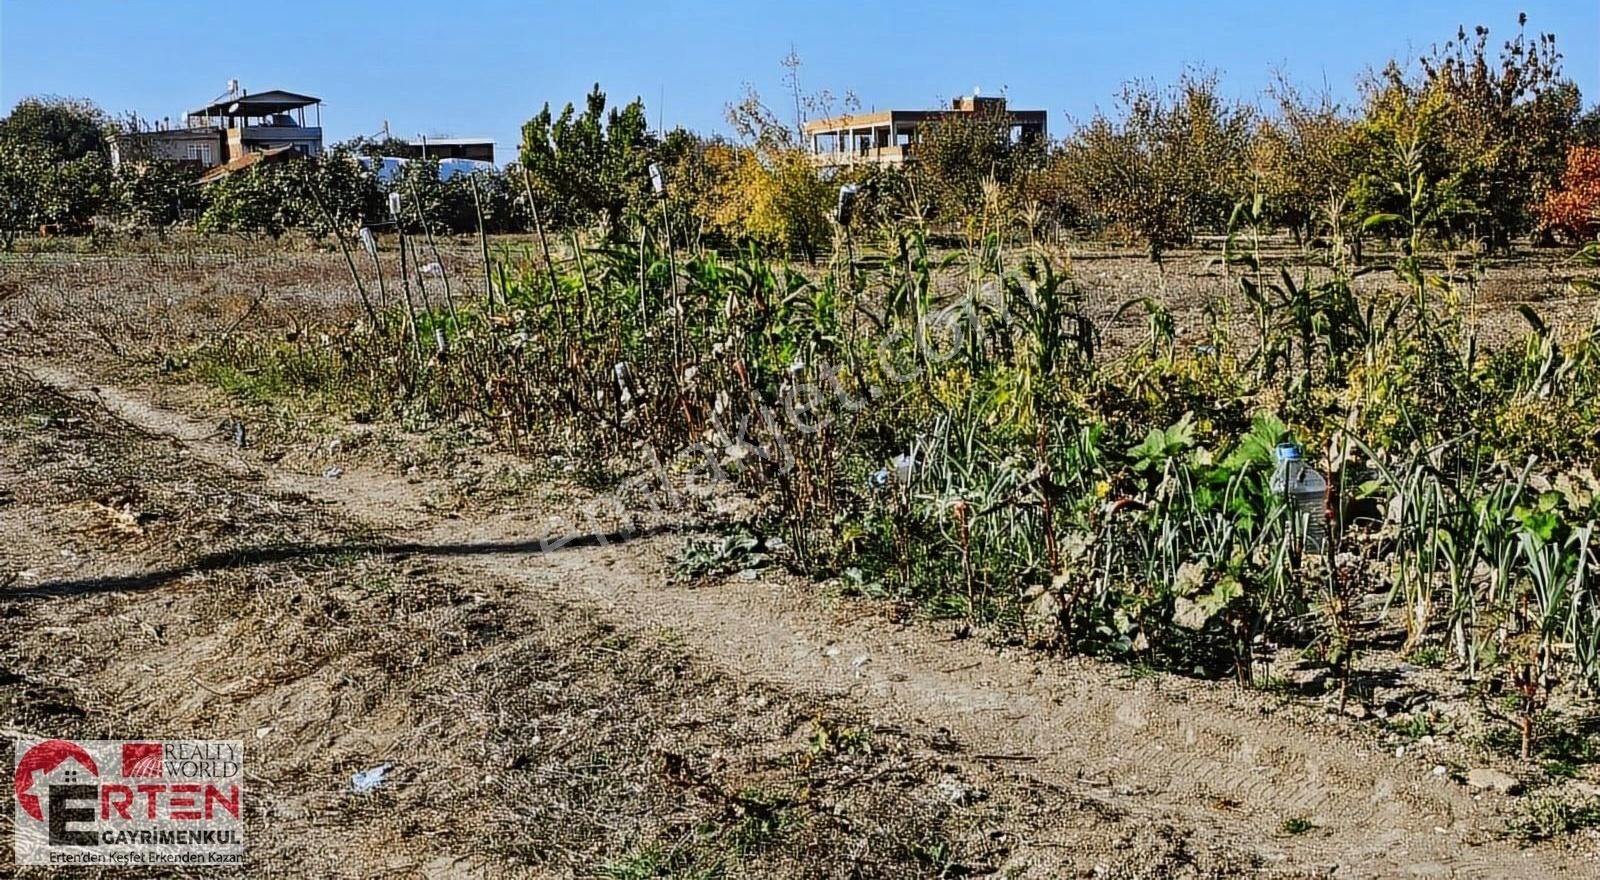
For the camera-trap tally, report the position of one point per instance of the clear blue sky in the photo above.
(481, 68)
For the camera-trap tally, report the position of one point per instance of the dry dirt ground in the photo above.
(550, 703)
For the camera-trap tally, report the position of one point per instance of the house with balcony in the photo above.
(256, 123)
(889, 137)
(229, 130)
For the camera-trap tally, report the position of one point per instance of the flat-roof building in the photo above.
(476, 149)
(229, 129)
(889, 137)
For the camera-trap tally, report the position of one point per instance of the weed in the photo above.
(934, 852)
(1542, 818)
(1562, 744)
(1273, 684)
(1428, 657)
(829, 738)
(854, 582)
(734, 552)
(658, 861)
(1558, 769)
(1141, 671)
(1296, 825)
(764, 818)
(252, 385)
(1413, 726)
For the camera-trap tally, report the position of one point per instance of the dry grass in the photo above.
(140, 303)
(526, 735)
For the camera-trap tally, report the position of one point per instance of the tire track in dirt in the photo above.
(1219, 767)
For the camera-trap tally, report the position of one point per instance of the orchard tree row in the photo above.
(1479, 142)
(1497, 135)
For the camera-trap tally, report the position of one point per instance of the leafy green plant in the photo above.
(1548, 816)
(738, 551)
(659, 861)
(763, 819)
(1296, 825)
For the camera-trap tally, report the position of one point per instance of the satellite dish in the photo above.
(234, 107)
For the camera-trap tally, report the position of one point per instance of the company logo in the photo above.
(110, 802)
(141, 759)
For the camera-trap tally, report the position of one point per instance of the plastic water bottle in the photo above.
(1306, 492)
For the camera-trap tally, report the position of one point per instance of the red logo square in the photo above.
(141, 759)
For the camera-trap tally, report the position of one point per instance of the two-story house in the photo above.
(230, 129)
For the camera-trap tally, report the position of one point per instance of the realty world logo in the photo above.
(116, 802)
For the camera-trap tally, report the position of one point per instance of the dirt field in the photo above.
(343, 596)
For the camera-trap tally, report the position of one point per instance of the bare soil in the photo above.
(551, 703)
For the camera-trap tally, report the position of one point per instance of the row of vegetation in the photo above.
(949, 426)
(953, 430)
(1498, 131)
(56, 177)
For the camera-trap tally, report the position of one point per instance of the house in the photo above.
(476, 149)
(200, 146)
(253, 123)
(228, 129)
(889, 137)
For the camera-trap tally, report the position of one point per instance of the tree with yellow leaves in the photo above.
(769, 191)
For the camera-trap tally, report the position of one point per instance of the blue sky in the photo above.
(481, 68)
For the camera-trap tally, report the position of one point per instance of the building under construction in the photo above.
(889, 137)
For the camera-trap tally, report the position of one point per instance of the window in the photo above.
(200, 153)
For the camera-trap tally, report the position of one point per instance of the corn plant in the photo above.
(953, 425)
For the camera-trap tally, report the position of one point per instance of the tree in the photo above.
(1586, 131)
(21, 168)
(589, 167)
(956, 154)
(1304, 159)
(698, 173)
(768, 189)
(1574, 210)
(1049, 195)
(257, 199)
(55, 170)
(451, 205)
(1511, 120)
(66, 128)
(1405, 171)
(1171, 163)
(334, 191)
(775, 197)
(155, 194)
(317, 195)
(365, 145)
(1490, 130)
